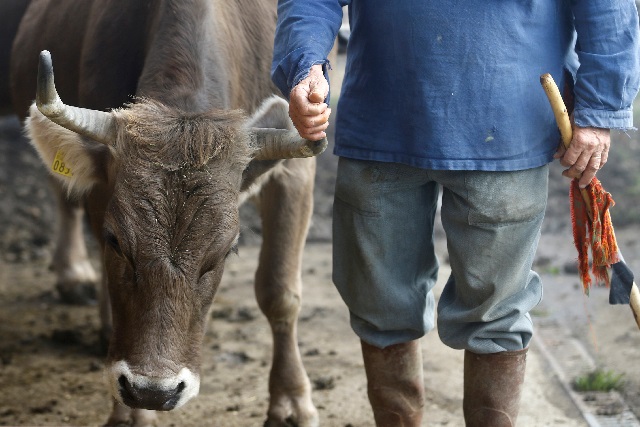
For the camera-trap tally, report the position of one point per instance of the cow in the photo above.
(157, 124)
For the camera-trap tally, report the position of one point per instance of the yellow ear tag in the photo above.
(59, 166)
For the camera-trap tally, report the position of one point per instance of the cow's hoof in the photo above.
(296, 411)
(286, 423)
(81, 293)
(313, 421)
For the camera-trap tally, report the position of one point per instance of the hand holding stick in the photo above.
(566, 131)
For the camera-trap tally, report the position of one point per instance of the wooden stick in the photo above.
(564, 124)
(634, 302)
(558, 107)
(566, 131)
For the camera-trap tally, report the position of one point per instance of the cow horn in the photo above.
(273, 144)
(97, 125)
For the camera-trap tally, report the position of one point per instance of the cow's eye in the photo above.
(233, 250)
(234, 247)
(112, 241)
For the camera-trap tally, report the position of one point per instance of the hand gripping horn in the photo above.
(97, 125)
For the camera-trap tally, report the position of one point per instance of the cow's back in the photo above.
(249, 32)
(101, 53)
(97, 46)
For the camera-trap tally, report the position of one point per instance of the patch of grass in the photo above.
(553, 270)
(599, 380)
(538, 312)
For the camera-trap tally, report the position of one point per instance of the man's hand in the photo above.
(586, 154)
(309, 113)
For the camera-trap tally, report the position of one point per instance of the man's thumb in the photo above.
(316, 97)
(318, 90)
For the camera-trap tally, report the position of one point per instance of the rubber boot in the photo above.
(395, 383)
(492, 388)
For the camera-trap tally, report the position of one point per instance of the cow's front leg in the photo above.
(286, 204)
(75, 277)
(122, 415)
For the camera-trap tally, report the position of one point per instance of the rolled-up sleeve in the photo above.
(305, 34)
(608, 76)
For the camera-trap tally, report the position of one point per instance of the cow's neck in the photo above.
(186, 66)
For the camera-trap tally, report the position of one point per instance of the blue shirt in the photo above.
(454, 84)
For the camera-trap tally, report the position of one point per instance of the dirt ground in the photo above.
(51, 367)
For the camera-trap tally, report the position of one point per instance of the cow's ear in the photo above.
(77, 162)
(272, 113)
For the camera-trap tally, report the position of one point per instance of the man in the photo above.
(445, 94)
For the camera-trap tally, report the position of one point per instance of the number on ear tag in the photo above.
(59, 166)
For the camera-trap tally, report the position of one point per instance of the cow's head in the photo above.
(168, 184)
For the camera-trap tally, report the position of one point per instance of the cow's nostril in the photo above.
(149, 397)
(125, 388)
(123, 381)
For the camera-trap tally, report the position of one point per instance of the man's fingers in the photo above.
(586, 178)
(581, 164)
(313, 89)
(585, 174)
(310, 121)
(313, 134)
(319, 90)
(299, 105)
(586, 155)
(299, 101)
(307, 110)
(560, 151)
(311, 110)
(595, 164)
(318, 85)
(604, 157)
(312, 127)
(571, 156)
(318, 114)
(316, 97)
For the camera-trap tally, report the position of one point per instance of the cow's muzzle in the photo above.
(150, 392)
(149, 397)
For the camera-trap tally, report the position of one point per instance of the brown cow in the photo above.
(163, 178)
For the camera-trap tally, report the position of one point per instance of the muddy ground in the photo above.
(51, 367)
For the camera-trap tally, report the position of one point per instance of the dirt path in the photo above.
(51, 374)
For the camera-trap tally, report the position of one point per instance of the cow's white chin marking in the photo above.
(191, 382)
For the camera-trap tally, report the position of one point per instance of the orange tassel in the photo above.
(596, 234)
